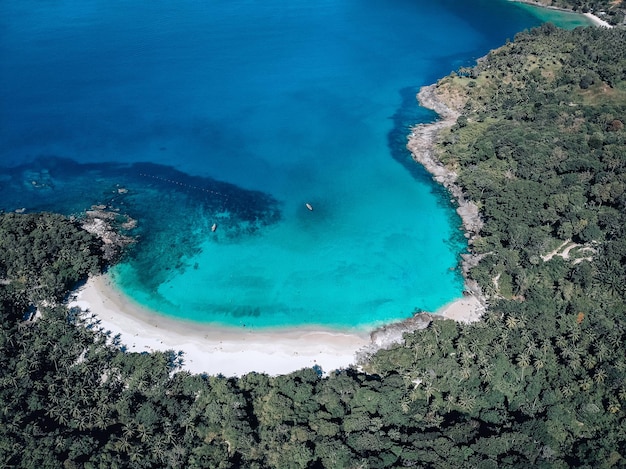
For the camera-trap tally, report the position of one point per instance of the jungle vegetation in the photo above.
(539, 382)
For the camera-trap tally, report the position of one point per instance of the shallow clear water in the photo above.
(246, 111)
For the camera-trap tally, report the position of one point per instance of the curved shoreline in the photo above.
(233, 352)
(421, 144)
(597, 21)
(211, 349)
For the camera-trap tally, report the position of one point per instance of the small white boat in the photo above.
(309, 206)
(214, 227)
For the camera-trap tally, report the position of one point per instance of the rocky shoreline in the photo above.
(422, 146)
(109, 225)
(421, 143)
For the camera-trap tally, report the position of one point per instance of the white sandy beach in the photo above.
(597, 21)
(214, 350)
(231, 352)
(468, 309)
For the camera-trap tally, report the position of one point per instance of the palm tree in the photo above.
(615, 340)
(169, 434)
(467, 402)
(590, 336)
(405, 404)
(511, 322)
(450, 402)
(189, 425)
(523, 360)
(531, 346)
(144, 433)
(135, 453)
(483, 359)
(53, 411)
(590, 361)
(574, 333)
(158, 450)
(75, 411)
(9, 380)
(39, 385)
(570, 351)
(430, 349)
(614, 408)
(82, 424)
(494, 318)
(102, 420)
(128, 431)
(429, 390)
(123, 445)
(434, 419)
(574, 363)
(546, 346)
(487, 372)
(502, 343)
(602, 351)
(467, 358)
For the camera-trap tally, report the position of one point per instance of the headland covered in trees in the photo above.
(538, 147)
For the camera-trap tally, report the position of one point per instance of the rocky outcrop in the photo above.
(422, 146)
(390, 334)
(107, 225)
(422, 141)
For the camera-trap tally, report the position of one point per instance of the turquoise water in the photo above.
(238, 114)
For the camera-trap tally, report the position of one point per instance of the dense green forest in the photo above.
(539, 382)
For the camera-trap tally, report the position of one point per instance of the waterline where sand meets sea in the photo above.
(233, 352)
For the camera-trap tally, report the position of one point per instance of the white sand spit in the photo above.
(597, 21)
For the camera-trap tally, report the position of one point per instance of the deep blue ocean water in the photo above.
(192, 113)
